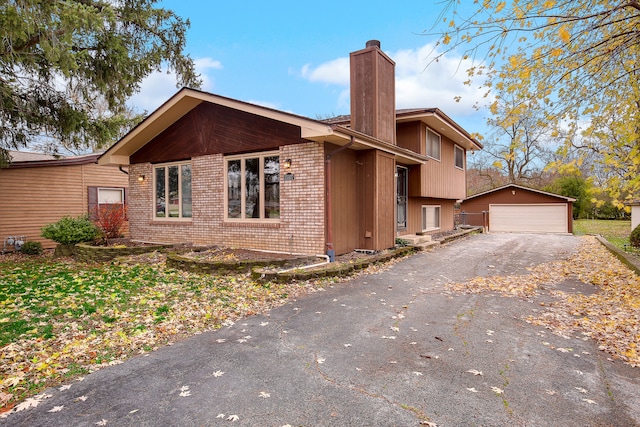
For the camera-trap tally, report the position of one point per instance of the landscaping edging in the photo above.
(328, 270)
(175, 260)
(626, 259)
(87, 252)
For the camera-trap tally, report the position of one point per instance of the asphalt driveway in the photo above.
(386, 349)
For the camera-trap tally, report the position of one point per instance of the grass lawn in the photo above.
(61, 319)
(615, 231)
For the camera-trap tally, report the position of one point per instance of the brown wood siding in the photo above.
(506, 196)
(214, 129)
(344, 196)
(415, 214)
(440, 178)
(373, 94)
(409, 136)
(386, 203)
(34, 197)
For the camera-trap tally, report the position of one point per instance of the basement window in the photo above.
(252, 185)
(433, 144)
(430, 218)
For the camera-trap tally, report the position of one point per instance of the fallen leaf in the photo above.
(264, 394)
(581, 390)
(65, 387)
(218, 373)
(589, 401)
(419, 374)
(497, 390)
(233, 418)
(472, 389)
(474, 372)
(102, 422)
(56, 408)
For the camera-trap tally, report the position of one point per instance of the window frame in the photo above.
(456, 149)
(428, 150)
(166, 166)
(262, 185)
(120, 189)
(438, 217)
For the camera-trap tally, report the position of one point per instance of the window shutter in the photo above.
(92, 201)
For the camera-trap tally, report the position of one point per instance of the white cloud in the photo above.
(417, 85)
(335, 71)
(157, 87)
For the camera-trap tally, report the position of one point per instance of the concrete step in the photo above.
(414, 239)
(425, 245)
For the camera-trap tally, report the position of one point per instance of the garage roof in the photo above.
(520, 187)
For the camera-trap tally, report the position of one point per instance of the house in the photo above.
(38, 189)
(207, 169)
(514, 208)
(635, 213)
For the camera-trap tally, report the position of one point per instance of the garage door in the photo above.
(545, 218)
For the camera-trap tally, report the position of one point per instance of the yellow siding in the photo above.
(33, 197)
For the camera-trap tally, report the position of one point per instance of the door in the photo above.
(545, 218)
(402, 176)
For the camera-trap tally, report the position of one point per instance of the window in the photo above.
(433, 144)
(458, 154)
(253, 187)
(173, 190)
(430, 217)
(110, 196)
(104, 198)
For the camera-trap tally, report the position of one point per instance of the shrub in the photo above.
(31, 248)
(110, 219)
(69, 231)
(634, 239)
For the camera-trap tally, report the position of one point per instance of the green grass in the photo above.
(615, 231)
(60, 319)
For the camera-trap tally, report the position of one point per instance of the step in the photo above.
(414, 239)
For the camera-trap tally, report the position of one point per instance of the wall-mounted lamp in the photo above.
(287, 164)
(140, 178)
(513, 192)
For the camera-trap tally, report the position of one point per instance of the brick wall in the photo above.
(300, 229)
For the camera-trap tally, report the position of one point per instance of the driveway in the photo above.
(387, 349)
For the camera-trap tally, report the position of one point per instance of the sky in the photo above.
(294, 56)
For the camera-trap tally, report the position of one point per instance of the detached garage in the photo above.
(517, 209)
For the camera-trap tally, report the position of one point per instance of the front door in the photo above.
(401, 197)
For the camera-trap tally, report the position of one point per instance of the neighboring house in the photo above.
(206, 169)
(38, 189)
(514, 208)
(635, 214)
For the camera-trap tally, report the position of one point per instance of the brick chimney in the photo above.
(373, 92)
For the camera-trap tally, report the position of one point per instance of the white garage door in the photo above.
(546, 218)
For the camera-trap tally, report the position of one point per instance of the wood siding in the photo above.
(32, 197)
(436, 178)
(415, 214)
(344, 200)
(215, 129)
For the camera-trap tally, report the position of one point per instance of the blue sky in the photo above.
(293, 55)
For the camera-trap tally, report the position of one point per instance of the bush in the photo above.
(32, 248)
(634, 239)
(110, 219)
(69, 231)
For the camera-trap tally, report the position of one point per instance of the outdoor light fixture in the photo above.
(140, 178)
(287, 164)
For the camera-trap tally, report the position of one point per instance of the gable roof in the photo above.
(520, 187)
(335, 132)
(434, 118)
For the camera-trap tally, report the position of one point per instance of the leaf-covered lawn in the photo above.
(615, 231)
(60, 320)
(611, 316)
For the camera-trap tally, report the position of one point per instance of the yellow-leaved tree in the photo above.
(577, 60)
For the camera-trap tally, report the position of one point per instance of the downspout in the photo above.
(330, 250)
(122, 170)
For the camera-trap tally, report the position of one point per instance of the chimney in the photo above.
(373, 92)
